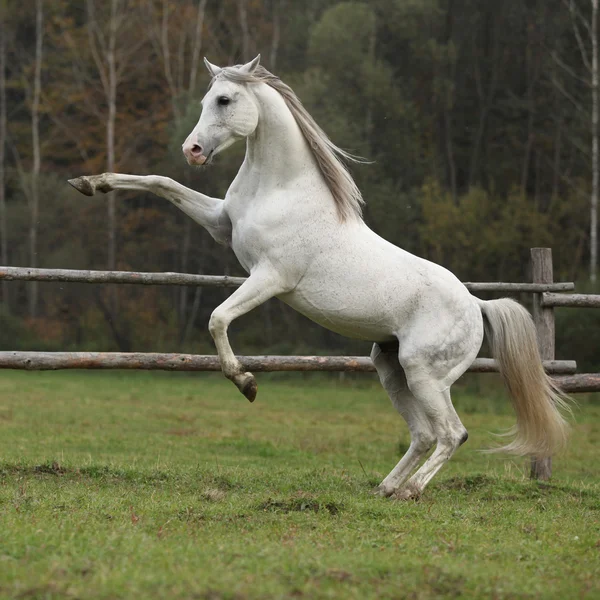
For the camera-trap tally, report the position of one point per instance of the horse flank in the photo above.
(347, 196)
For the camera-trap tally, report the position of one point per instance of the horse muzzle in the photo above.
(195, 155)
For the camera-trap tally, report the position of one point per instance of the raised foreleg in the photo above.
(205, 210)
(262, 285)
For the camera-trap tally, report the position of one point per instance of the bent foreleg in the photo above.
(257, 289)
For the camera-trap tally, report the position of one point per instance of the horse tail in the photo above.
(541, 429)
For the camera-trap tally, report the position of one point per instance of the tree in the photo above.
(585, 31)
(595, 162)
(35, 142)
(3, 220)
(30, 180)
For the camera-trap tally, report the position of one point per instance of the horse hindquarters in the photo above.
(418, 382)
(435, 348)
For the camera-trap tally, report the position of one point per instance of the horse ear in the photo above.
(212, 69)
(250, 67)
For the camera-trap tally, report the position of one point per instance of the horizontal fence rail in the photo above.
(580, 383)
(48, 361)
(542, 287)
(491, 286)
(572, 300)
(141, 278)
(74, 276)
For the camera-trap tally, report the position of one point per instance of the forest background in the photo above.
(477, 116)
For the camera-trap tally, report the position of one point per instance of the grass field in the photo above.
(167, 486)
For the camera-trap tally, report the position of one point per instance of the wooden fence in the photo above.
(546, 298)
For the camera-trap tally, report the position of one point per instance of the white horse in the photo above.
(293, 218)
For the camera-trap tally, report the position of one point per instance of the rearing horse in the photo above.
(293, 218)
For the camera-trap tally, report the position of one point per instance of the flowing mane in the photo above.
(346, 194)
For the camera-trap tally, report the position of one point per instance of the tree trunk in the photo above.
(183, 293)
(450, 154)
(3, 224)
(557, 156)
(166, 56)
(197, 45)
(243, 17)
(35, 140)
(189, 326)
(595, 165)
(448, 103)
(277, 6)
(110, 131)
(486, 93)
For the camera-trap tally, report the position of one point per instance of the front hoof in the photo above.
(246, 383)
(408, 492)
(83, 185)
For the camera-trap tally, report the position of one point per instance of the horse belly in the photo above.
(378, 297)
(351, 315)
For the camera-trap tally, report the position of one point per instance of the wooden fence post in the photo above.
(543, 317)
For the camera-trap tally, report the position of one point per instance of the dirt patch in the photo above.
(182, 432)
(301, 504)
(468, 484)
(52, 468)
(213, 495)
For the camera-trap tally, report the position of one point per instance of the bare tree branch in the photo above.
(575, 14)
(569, 70)
(567, 95)
(93, 34)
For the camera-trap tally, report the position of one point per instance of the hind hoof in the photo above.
(408, 492)
(246, 383)
(382, 491)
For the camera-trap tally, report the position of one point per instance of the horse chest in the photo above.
(264, 231)
(248, 244)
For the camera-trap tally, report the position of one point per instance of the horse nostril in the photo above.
(196, 150)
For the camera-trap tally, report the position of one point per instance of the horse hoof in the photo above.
(83, 185)
(408, 492)
(382, 491)
(248, 386)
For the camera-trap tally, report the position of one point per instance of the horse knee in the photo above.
(217, 323)
(459, 437)
(452, 439)
(161, 184)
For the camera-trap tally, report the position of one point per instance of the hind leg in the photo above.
(422, 435)
(447, 427)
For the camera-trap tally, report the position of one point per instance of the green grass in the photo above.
(162, 486)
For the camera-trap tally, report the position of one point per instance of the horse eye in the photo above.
(223, 100)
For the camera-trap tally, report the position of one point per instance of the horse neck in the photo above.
(277, 150)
